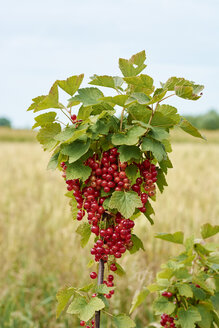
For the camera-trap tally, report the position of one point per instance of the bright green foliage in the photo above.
(127, 153)
(63, 297)
(141, 135)
(176, 237)
(208, 230)
(71, 84)
(161, 305)
(192, 279)
(122, 321)
(139, 299)
(137, 244)
(85, 309)
(84, 231)
(125, 202)
(188, 317)
(46, 135)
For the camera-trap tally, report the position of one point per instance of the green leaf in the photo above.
(86, 288)
(125, 202)
(131, 172)
(149, 212)
(139, 299)
(119, 100)
(106, 81)
(77, 170)
(202, 283)
(122, 321)
(188, 318)
(172, 82)
(131, 136)
(206, 316)
(75, 150)
(71, 134)
(137, 244)
(53, 162)
(176, 237)
(46, 135)
(143, 81)
(182, 274)
(184, 290)
(163, 305)
(165, 116)
(207, 230)
(84, 112)
(186, 92)
(127, 68)
(159, 134)
(127, 153)
(74, 208)
(165, 164)
(49, 101)
(215, 301)
(120, 271)
(71, 84)
(157, 96)
(63, 297)
(167, 273)
(214, 258)
(199, 293)
(88, 96)
(139, 58)
(190, 129)
(139, 112)
(84, 309)
(103, 289)
(90, 264)
(43, 119)
(161, 180)
(84, 231)
(100, 127)
(156, 147)
(140, 97)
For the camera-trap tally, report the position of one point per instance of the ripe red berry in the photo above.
(113, 267)
(73, 117)
(110, 277)
(82, 323)
(122, 175)
(93, 275)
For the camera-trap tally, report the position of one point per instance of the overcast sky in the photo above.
(45, 40)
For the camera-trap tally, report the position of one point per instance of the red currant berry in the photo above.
(93, 275)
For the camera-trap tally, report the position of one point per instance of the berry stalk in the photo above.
(99, 282)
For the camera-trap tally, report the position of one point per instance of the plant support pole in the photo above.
(99, 282)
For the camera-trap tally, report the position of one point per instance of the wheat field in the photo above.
(40, 251)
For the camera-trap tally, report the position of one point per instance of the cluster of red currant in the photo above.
(167, 321)
(112, 230)
(83, 324)
(167, 294)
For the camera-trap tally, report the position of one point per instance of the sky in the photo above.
(45, 40)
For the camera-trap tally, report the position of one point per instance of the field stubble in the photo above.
(40, 251)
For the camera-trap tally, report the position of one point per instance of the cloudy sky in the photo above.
(45, 40)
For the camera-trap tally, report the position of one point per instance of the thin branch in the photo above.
(122, 115)
(65, 114)
(166, 97)
(99, 282)
(61, 122)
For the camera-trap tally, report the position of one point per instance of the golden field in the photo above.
(40, 251)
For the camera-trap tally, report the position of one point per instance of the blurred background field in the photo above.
(40, 251)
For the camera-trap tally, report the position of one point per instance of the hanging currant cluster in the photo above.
(113, 153)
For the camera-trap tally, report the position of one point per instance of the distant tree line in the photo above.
(5, 122)
(208, 121)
